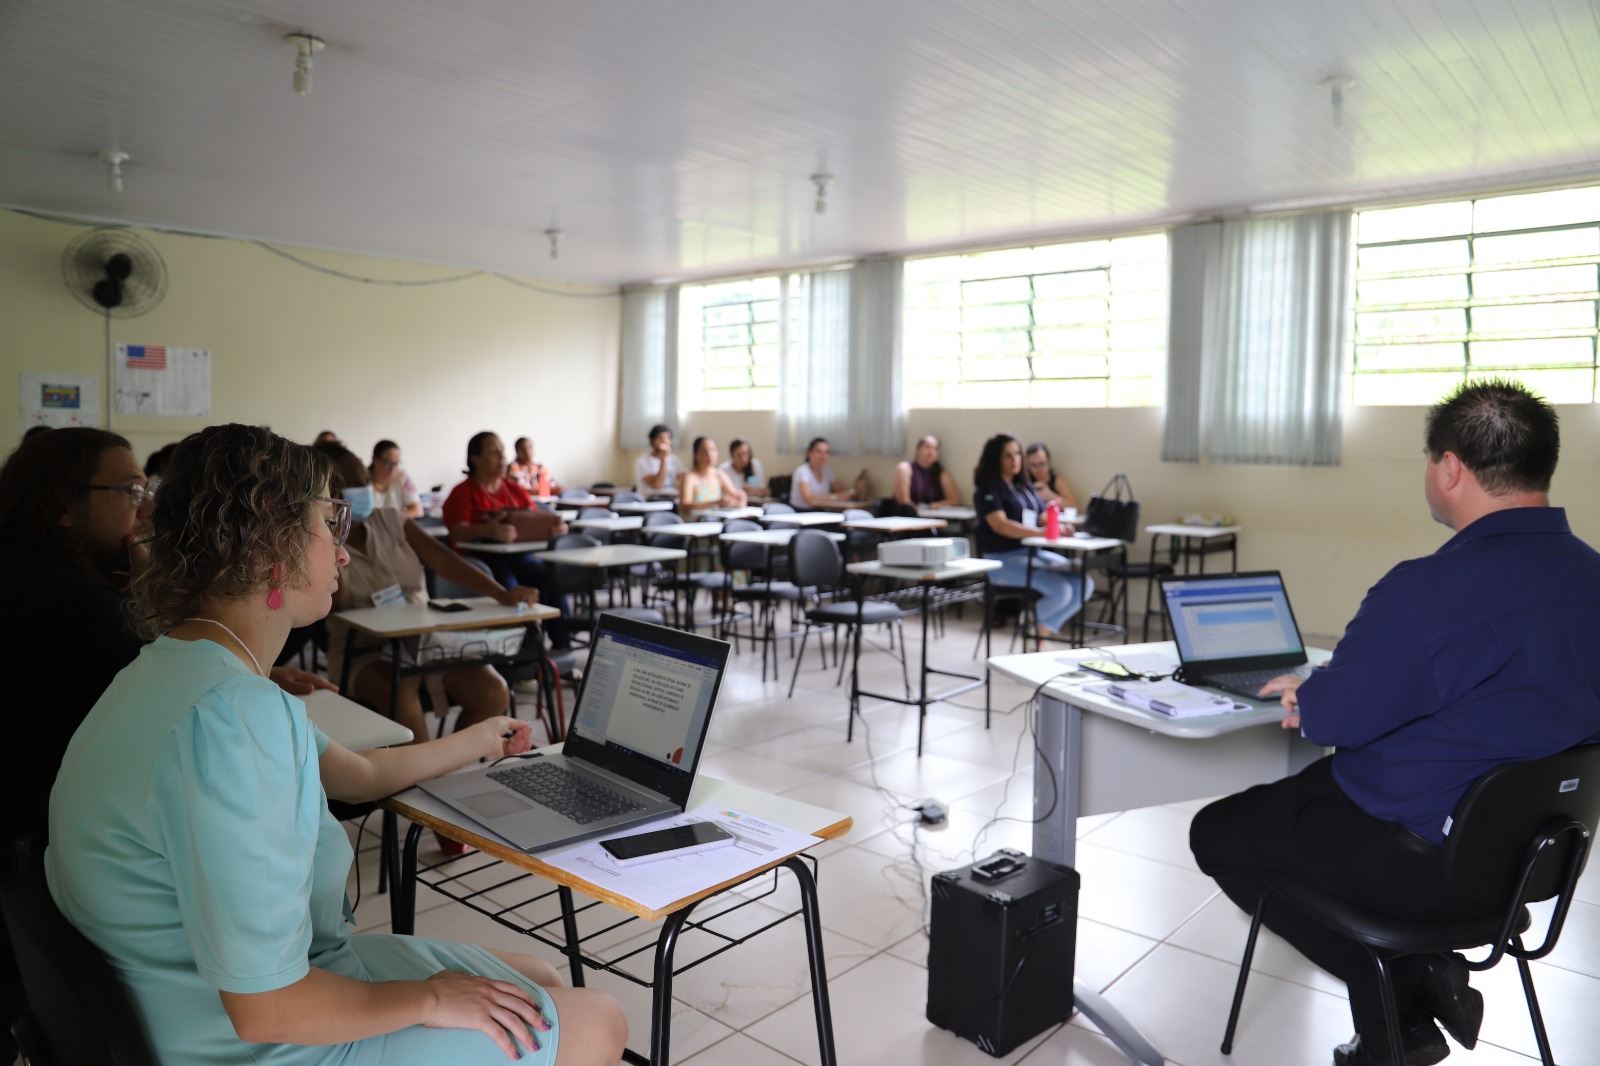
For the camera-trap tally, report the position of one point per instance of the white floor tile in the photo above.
(740, 1050)
(878, 1017)
(1220, 929)
(1137, 894)
(1159, 833)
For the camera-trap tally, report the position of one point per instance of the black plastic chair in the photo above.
(1520, 834)
(816, 562)
(78, 1011)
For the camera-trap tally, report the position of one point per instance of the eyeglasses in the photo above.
(138, 494)
(339, 524)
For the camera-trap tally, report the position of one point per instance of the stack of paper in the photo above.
(1171, 698)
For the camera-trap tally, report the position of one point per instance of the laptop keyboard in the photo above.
(1251, 680)
(565, 792)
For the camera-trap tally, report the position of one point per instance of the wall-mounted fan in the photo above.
(114, 271)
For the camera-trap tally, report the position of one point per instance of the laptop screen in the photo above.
(647, 699)
(1237, 616)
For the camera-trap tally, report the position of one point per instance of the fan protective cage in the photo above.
(87, 262)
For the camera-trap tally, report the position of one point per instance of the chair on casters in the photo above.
(78, 1010)
(1519, 835)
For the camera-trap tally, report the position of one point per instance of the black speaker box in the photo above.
(1000, 949)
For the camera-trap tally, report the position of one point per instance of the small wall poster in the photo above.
(153, 379)
(61, 400)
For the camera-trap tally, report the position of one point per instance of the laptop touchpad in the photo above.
(494, 804)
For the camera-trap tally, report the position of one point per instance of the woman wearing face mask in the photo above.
(388, 552)
(391, 484)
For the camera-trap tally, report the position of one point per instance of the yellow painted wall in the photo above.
(1333, 531)
(301, 351)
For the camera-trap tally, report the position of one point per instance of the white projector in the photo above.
(921, 551)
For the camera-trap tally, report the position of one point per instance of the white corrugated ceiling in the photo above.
(673, 138)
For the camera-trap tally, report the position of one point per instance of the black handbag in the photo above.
(1113, 512)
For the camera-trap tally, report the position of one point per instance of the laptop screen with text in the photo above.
(646, 699)
(1243, 616)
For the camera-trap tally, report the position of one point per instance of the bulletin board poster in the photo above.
(153, 379)
(60, 400)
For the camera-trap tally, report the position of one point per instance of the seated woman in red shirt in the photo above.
(476, 510)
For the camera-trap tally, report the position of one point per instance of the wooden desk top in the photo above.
(414, 619)
(613, 555)
(422, 808)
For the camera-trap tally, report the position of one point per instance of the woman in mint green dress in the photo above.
(189, 826)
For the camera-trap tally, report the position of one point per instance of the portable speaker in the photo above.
(1000, 949)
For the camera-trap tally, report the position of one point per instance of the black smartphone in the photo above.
(667, 843)
(1106, 668)
(435, 605)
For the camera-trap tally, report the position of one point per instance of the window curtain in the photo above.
(649, 364)
(1256, 341)
(840, 362)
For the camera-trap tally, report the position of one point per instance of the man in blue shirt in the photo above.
(1478, 655)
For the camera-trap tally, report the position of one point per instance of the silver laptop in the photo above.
(630, 753)
(1235, 632)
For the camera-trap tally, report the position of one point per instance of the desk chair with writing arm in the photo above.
(817, 563)
(79, 1011)
(1519, 835)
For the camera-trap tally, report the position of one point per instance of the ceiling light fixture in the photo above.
(822, 181)
(113, 162)
(305, 47)
(1336, 87)
(555, 236)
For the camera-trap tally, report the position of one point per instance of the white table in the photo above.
(544, 880)
(800, 518)
(774, 538)
(897, 524)
(926, 577)
(609, 555)
(575, 501)
(699, 530)
(348, 722)
(719, 514)
(1190, 543)
(1103, 756)
(637, 507)
(494, 547)
(620, 524)
(1082, 545)
(949, 514)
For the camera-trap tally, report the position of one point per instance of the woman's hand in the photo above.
(298, 682)
(512, 597)
(500, 1010)
(504, 735)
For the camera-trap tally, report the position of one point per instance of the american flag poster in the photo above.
(156, 379)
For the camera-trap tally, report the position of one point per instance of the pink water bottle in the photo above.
(544, 481)
(1052, 521)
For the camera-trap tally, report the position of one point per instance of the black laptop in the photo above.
(630, 755)
(1235, 632)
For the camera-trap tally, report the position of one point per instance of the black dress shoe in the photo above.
(1420, 1039)
(1444, 993)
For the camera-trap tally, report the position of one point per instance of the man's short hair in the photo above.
(1508, 437)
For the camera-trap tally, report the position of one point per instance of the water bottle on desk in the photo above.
(1052, 521)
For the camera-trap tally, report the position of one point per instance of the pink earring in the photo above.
(274, 593)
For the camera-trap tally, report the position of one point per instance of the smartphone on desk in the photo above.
(435, 605)
(1106, 668)
(666, 843)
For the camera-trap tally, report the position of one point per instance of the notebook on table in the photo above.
(1235, 632)
(630, 755)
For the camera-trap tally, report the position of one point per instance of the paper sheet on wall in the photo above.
(61, 400)
(157, 380)
(656, 884)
